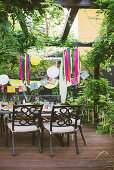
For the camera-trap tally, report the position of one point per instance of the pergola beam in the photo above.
(69, 23)
(34, 4)
(75, 44)
(75, 3)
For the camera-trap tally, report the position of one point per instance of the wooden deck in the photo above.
(97, 155)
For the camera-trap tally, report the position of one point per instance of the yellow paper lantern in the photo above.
(35, 60)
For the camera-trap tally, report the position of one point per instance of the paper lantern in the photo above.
(4, 79)
(35, 60)
(53, 72)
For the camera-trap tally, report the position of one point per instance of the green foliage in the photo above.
(101, 56)
(13, 41)
(40, 71)
(94, 88)
(106, 117)
(55, 91)
(112, 93)
(100, 53)
(9, 51)
(70, 93)
(74, 101)
(102, 49)
(17, 40)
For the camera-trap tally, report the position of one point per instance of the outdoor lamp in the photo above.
(53, 72)
(4, 79)
(35, 60)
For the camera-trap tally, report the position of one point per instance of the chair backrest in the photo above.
(65, 115)
(26, 115)
(50, 98)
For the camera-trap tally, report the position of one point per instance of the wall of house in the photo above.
(89, 23)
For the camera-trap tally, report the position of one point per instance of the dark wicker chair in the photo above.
(65, 119)
(25, 119)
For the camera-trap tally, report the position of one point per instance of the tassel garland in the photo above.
(71, 65)
(25, 65)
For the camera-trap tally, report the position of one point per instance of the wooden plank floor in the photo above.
(97, 155)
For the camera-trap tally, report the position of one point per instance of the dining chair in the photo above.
(65, 119)
(25, 119)
(2, 126)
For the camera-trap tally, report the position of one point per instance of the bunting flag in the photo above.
(51, 80)
(71, 65)
(10, 89)
(2, 87)
(33, 86)
(51, 85)
(43, 82)
(16, 83)
(84, 75)
(22, 88)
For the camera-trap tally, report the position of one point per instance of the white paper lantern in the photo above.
(53, 72)
(4, 79)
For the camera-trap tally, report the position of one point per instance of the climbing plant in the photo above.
(21, 28)
(97, 89)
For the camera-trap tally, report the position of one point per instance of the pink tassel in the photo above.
(2, 87)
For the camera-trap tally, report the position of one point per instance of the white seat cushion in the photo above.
(58, 129)
(46, 114)
(23, 128)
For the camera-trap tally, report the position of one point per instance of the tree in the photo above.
(14, 41)
(101, 53)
